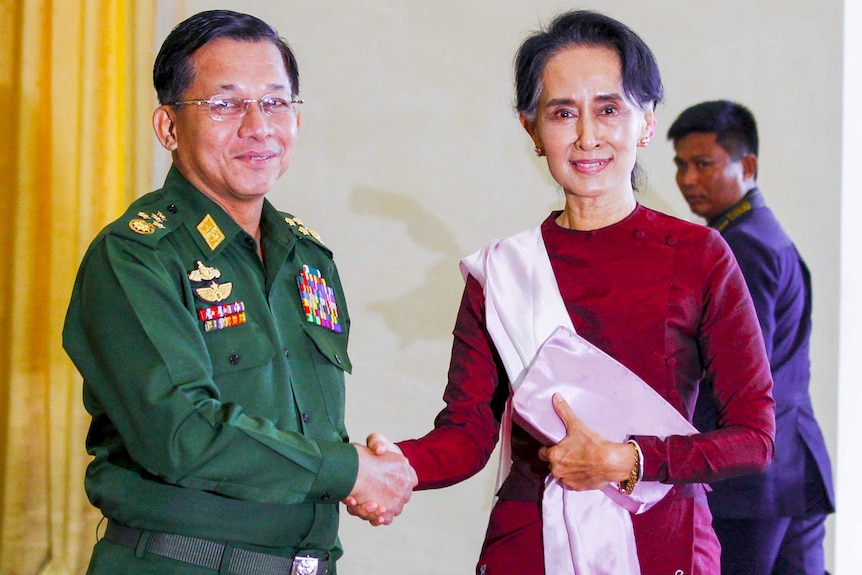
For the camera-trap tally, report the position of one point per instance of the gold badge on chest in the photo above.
(203, 273)
(212, 292)
(221, 315)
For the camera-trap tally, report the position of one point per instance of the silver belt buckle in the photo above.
(304, 565)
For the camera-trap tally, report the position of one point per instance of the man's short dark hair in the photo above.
(733, 125)
(173, 72)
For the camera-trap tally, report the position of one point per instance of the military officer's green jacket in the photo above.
(217, 398)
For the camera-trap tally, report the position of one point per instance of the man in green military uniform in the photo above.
(211, 331)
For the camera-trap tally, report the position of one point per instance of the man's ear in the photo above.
(749, 166)
(164, 125)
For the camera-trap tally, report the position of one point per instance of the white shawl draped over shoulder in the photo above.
(588, 532)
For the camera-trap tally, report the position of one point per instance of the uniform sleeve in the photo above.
(734, 361)
(149, 383)
(466, 430)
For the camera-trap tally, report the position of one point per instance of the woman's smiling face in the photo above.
(586, 125)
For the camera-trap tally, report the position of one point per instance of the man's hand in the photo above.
(384, 484)
(585, 460)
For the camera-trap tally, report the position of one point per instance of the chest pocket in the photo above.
(331, 345)
(237, 349)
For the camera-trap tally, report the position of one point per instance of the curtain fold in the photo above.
(78, 146)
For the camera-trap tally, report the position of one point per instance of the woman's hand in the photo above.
(585, 460)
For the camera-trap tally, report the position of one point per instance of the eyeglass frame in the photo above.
(245, 101)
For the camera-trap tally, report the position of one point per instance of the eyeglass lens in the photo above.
(228, 108)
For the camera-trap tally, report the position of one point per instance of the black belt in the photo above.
(206, 553)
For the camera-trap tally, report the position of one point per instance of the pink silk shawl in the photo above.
(586, 532)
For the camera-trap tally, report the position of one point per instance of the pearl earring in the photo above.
(539, 151)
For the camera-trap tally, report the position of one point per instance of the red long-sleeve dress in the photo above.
(666, 299)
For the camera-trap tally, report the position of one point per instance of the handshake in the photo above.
(384, 483)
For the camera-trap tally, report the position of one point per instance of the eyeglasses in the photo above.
(222, 108)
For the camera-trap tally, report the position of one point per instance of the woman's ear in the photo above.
(651, 122)
(164, 125)
(530, 127)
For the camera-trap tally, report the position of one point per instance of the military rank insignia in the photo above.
(318, 299)
(302, 228)
(210, 232)
(146, 223)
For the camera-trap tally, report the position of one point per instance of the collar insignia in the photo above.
(210, 232)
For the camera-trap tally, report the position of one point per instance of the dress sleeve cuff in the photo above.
(337, 474)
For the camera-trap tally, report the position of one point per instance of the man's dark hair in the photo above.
(173, 72)
(733, 125)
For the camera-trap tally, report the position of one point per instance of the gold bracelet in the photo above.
(627, 486)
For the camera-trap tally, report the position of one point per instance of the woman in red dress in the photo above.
(661, 296)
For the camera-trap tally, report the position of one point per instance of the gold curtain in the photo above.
(76, 149)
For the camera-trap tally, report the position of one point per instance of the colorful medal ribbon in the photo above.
(222, 316)
(318, 299)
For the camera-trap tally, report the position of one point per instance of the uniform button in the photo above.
(638, 235)
(233, 359)
(249, 242)
(305, 418)
(337, 358)
(286, 353)
(172, 208)
(671, 362)
(670, 240)
(326, 497)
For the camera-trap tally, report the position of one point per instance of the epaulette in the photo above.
(302, 231)
(147, 220)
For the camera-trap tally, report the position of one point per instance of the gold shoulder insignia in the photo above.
(146, 224)
(210, 232)
(142, 227)
(215, 292)
(203, 273)
(297, 224)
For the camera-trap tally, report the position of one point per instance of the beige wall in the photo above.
(848, 552)
(410, 157)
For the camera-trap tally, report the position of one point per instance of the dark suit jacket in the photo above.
(799, 481)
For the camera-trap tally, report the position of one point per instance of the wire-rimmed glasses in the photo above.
(222, 108)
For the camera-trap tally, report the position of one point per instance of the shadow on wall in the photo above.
(413, 315)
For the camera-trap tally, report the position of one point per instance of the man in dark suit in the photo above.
(771, 523)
